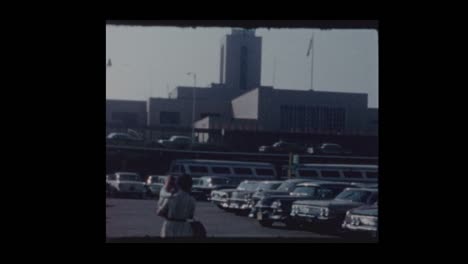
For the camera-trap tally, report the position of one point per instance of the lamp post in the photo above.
(193, 102)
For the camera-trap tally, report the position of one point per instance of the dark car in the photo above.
(331, 213)
(176, 142)
(283, 147)
(206, 184)
(240, 199)
(362, 220)
(328, 149)
(123, 139)
(285, 188)
(277, 208)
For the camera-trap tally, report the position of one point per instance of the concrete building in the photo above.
(126, 113)
(239, 102)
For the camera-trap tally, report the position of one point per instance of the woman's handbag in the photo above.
(198, 229)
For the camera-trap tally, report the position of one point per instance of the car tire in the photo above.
(265, 223)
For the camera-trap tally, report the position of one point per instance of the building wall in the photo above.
(114, 108)
(184, 107)
(246, 105)
(231, 69)
(373, 121)
(271, 100)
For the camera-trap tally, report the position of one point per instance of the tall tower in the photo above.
(241, 60)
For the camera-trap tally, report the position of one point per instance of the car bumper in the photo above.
(239, 205)
(362, 228)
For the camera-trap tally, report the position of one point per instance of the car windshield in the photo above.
(355, 196)
(129, 177)
(305, 190)
(247, 186)
(285, 186)
(268, 186)
(219, 181)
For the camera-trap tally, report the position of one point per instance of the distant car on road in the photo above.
(176, 142)
(329, 149)
(126, 183)
(123, 138)
(283, 147)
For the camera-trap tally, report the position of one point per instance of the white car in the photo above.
(126, 183)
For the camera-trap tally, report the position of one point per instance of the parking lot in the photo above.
(137, 218)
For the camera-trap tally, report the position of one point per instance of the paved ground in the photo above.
(137, 218)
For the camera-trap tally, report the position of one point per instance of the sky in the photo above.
(151, 61)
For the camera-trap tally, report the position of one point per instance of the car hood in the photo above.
(370, 210)
(132, 182)
(330, 203)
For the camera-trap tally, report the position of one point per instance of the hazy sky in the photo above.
(160, 57)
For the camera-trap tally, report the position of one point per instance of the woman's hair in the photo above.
(170, 185)
(184, 182)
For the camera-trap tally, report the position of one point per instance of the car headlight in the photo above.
(276, 204)
(324, 212)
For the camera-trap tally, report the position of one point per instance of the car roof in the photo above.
(361, 189)
(226, 162)
(317, 183)
(338, 166)
(214, 177)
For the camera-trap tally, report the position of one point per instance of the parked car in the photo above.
(123, 138)
(126, 183)
(202, 190)
(240, 200)
(331, 213)
(277, 208)
(283, 147)
(154, 184)
(221, 197)
(362, 220)
(328, 149)
(176, 142)
(285, 188)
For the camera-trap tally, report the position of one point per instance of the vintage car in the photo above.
(285, 188)
(240, 200)
(277, 208)
(126, 183)
(362, 220)
(206, 184)
(283, 147)
(153, 185)
(331, 213)
(176, 142)
(221, 197)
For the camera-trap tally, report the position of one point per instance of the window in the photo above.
(372, 175)
(198, 169)
(243, 171)
(169, 118)
(221, 170)
(129, 177)
(128, 119)
(264, 172)
(352, 174)
(355, 196)
(330, 174)
(310, 191)
(308, 173)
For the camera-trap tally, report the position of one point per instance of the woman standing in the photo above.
(177, 209)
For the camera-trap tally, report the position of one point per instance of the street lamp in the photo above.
(193, 103)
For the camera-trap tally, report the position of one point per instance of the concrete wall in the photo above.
(184, 107)
(246, 105)
(373, 121)
(126, 106)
